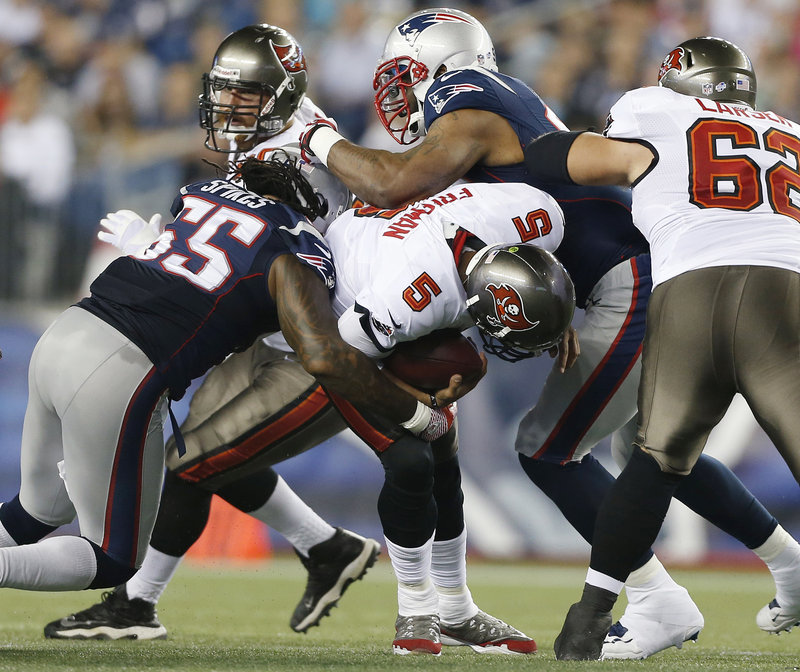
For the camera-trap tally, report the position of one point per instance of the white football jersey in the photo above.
(396, 276)
(304, 114)
(725, 186)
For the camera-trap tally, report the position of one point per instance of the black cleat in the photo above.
(114, 617)
(583, 632)
(332, 566)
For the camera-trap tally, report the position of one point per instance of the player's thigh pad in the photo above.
(688, 371)
(597, 395)
(111, 430)
(273, 409)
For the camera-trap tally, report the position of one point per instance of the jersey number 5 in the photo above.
(420, 292)
(734, 182)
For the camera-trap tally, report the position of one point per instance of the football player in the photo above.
(707, 170)
(449, 261)
(438, 88)
(231, 432)
(253, 101)
(231, 266)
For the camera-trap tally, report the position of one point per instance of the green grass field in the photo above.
(229, 618)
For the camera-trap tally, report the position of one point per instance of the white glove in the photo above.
(128, 232)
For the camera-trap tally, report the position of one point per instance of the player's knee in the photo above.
(539, 471)
(250, 492)
(408, 464)
(21, 526)
(110, 572)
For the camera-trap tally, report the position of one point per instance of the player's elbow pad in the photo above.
(546, 156)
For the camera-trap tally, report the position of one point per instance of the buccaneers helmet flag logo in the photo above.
(508, 308)
(672, 61)
(291, 56)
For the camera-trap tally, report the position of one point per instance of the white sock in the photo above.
(416, 594)
(55, 563)
(781, 553)
(650, 575)
(150, 582)
(449, 574)
(599, 580)
(289, 515)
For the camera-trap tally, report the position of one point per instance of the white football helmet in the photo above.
(415, 52)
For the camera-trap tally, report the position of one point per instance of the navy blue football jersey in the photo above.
(200, 291)
(599, 231)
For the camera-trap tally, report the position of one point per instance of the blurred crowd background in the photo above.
(98, 97)
(98, 111)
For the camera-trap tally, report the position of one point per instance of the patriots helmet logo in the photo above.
(416, 24)
(508, 308)
(439, 98)
(672, 61)
(291, 57)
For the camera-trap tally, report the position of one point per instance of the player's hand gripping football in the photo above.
(442, 403)
(127, 231)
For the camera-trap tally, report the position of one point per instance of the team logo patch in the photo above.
(291, 57)
(323, 265)
(413, 27)
(380, 327)
(508, 308)
(672, 61)
(439, 98)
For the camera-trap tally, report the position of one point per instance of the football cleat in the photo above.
(661, 619)
(332, 566)
(486, 634)
(581, 636)
(417, 634)
(114, 617)
(775, 619)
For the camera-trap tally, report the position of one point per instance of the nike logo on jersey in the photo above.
(439, 98)
(448, 75)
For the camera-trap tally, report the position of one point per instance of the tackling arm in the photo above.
(310, 328)
(455, 142)
(587, 158)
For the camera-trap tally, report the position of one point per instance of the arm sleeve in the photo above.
(546, 156)
(355, 329)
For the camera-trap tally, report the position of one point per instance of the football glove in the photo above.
(323, 142)
(128, 232)
(441, 421)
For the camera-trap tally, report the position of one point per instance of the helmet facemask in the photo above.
(220, 120)
(263, 63)
(399, 109)
(419, 49)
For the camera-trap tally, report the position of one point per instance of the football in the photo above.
(428, 362)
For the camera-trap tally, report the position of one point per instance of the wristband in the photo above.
(418, 421)
(321, 141)
(434, 403)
